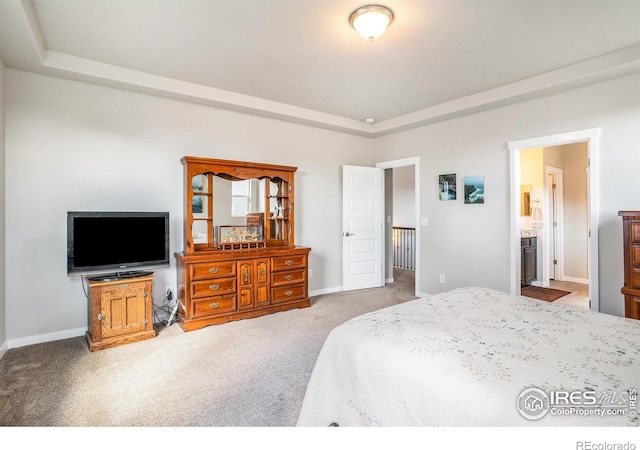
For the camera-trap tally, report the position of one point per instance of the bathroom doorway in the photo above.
(573, 208)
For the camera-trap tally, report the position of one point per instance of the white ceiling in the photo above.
(301, 61)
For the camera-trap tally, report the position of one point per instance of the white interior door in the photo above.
(363, 227)
(553, 227)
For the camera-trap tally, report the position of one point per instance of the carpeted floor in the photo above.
(541, 293)
(246, 373)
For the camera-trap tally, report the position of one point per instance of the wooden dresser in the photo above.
(239, 260)
(631, 242)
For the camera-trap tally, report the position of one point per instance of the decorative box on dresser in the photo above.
(238, 264)
(631, 242)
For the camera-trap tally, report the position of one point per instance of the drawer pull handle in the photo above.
(263, 271)
(288, 293)
(214, 287)
(214, 269)
(214, 305)
(288, 277)
(288, 262)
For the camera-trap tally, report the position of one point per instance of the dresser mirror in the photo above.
(525, 200)
(232, 207)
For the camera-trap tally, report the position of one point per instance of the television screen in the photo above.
(99, 242)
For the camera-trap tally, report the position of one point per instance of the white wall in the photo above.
(470, 244)
(572, 159)
(3, 307)
(532, 174)
(74, 146)
(404, 186)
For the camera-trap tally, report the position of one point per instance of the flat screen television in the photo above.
(116, 244)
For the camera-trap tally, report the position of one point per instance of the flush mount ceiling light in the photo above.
(371, 21)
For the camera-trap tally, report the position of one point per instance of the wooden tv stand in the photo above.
(120, 312)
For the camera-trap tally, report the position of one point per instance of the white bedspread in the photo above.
(462, 358)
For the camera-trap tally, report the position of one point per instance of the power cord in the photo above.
(170, 316)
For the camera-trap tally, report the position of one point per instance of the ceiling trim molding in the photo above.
(34, 29)
(613, 64)
(81, 69)
(66, 66)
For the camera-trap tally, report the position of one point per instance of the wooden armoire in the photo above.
(631, 242)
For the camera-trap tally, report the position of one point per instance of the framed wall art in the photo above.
(474, 189)
(447, 186)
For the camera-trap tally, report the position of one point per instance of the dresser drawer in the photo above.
(288, 293)
(214, 305)
(634, 282)
(635, 232)
(632, 306)
(200, 271)
(216, 286)
(290, 277)
(288, 262)
(635, 255)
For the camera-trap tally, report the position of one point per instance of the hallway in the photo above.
(579, 295)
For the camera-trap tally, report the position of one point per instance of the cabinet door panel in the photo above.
(123, 311)
(245, 299)
(262, 271)
(245, 276)
(262, 297)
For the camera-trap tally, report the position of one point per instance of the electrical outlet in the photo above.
(441, 278)
(169, 293)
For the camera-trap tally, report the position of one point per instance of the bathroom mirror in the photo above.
(525, 200)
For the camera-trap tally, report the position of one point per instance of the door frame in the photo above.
(592, 138)
(405, 162)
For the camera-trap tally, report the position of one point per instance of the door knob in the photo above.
(349, 234)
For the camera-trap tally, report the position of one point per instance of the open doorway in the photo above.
(403, 224)
(555, 178)
(560, 163)
(402, 197)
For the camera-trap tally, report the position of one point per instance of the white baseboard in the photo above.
(330, 290)
(390, 280)
(3, 349)
(66, 334)
(39, 339)
(576, 280)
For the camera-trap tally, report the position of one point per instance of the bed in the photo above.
(477, 357)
